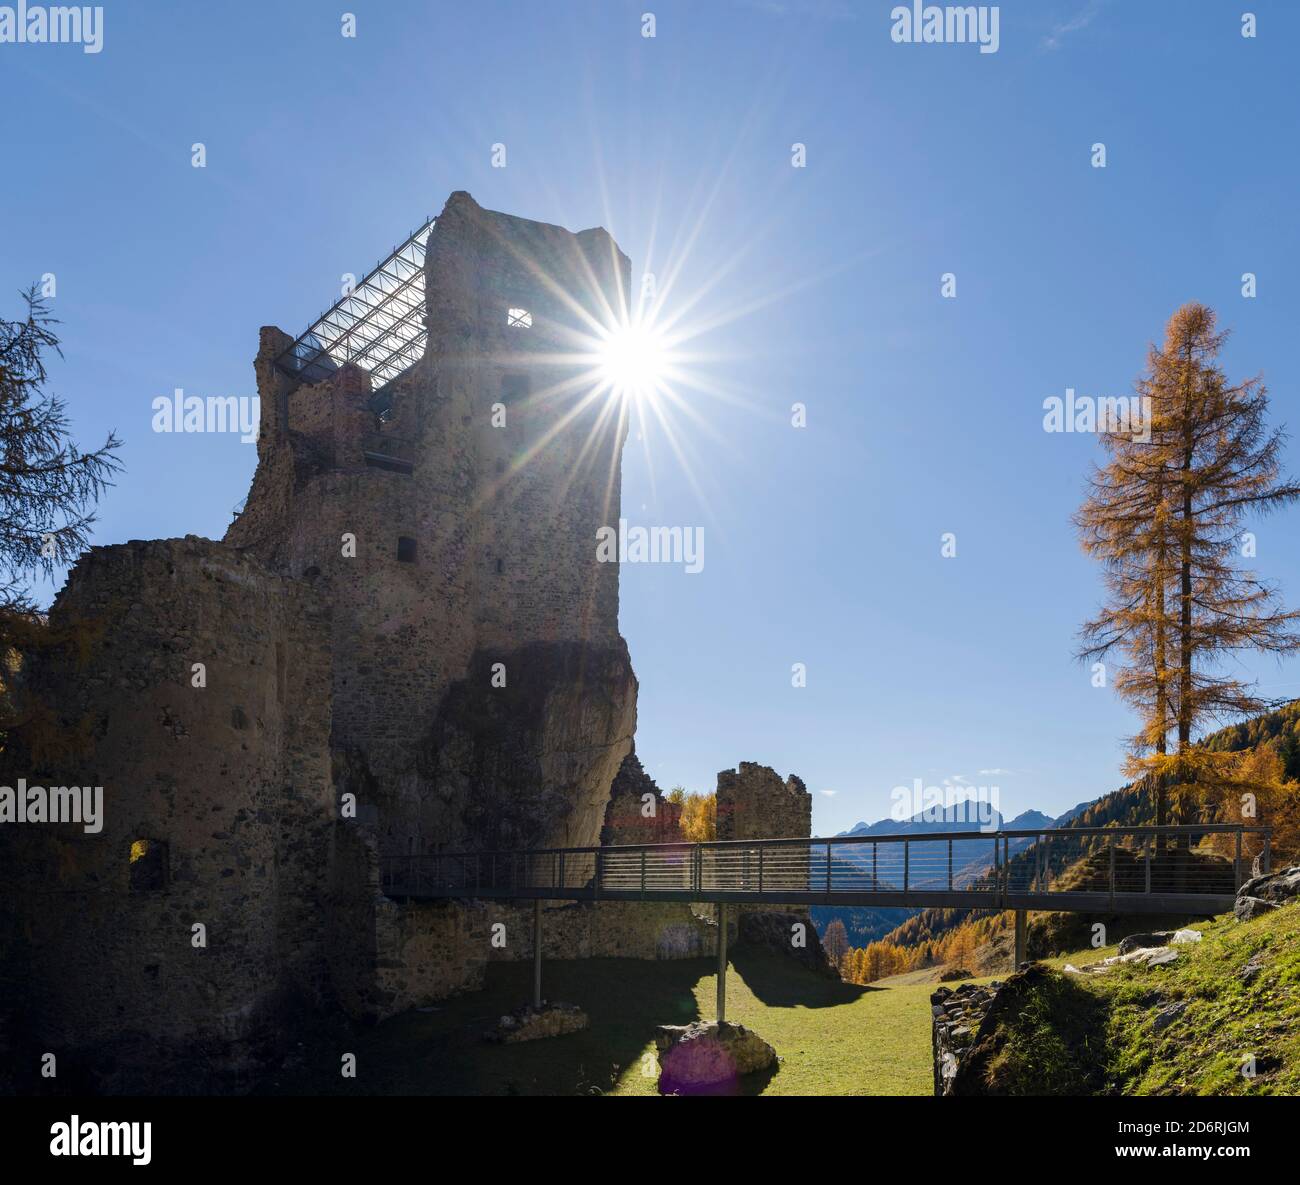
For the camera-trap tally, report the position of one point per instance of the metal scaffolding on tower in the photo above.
(377, 325)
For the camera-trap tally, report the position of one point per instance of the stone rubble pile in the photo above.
(1146, 950)
(532, 1024)
(957, 1015)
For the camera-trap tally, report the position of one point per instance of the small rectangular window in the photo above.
(406, 549)
(148, 865)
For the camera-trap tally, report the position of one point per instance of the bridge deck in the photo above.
(1089, 870)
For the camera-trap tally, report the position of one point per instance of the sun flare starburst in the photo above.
(634, 360)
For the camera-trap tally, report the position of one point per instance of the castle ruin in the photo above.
(403, 644)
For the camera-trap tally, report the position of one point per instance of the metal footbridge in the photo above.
(1132, 870)
(1079, 869)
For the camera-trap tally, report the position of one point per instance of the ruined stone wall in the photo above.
(231, 778)
(431, 951)
(754, 803)
(335, 667)
(632, 794)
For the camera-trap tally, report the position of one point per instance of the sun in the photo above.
(633, 360)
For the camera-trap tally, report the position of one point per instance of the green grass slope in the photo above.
(1075, 1034)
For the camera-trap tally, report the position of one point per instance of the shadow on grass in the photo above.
(442, 1052)
(784, 983)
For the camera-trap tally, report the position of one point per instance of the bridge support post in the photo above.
(537, 953)
(1020, 938)
(722, 961)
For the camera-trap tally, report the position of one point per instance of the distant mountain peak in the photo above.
(1029, 819)
(961, 816)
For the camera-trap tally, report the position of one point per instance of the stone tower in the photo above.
(473, 488)
(408, 610)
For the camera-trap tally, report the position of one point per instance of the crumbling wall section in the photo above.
(174, 936)
(755, 803)
(638, 812)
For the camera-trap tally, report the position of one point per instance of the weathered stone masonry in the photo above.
(754, 803)
(503, 528)
(233, 780)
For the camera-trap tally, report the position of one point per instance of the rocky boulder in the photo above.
(1144, 941)
(1157, 938)
(1251, 907)
(1273, 887)
(1143, 956)
(700, 1057)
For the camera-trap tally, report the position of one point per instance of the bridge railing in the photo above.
(1210, 859)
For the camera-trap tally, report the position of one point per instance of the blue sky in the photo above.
(819, 285)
